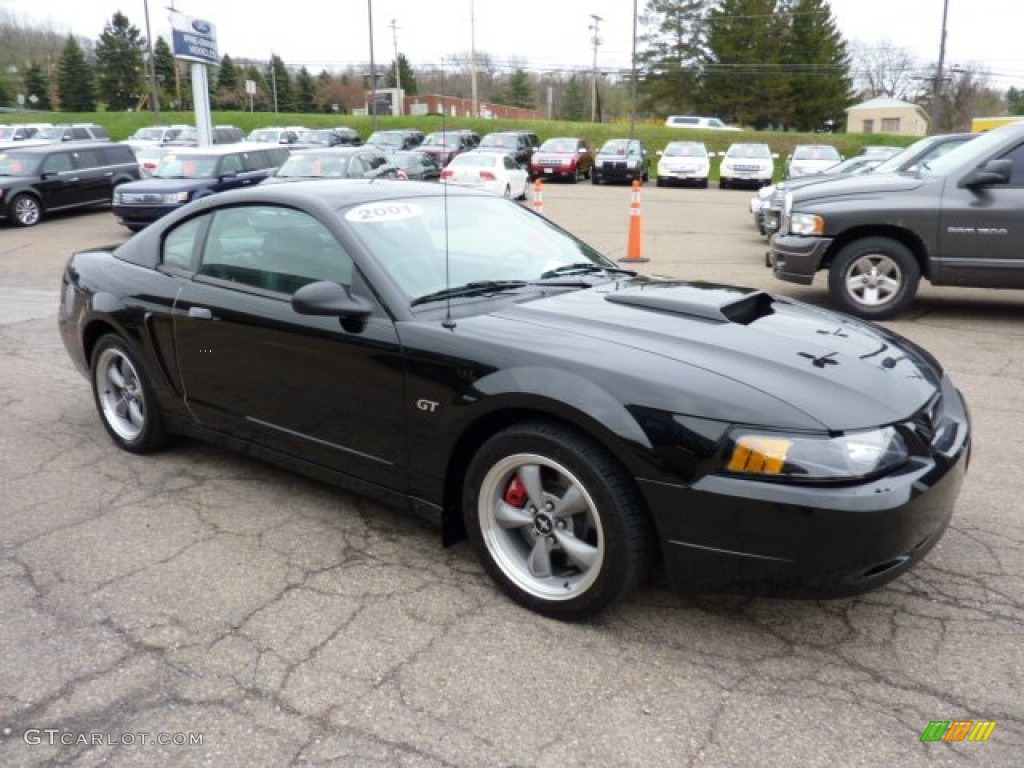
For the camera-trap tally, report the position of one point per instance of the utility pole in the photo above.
(373, 69)
(152, 65)
(273, 81)
(937, 87)
(475, 107)
(596, 40)
(632, 90)
(399, 106)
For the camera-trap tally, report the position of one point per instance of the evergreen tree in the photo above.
(670, 56)
(163, 61)
(305, 91)
(5, 92)
(74, 80)
(518, 92)
(744, 81)
(281, 81)
(818, 65)
(120, 61)
(574, 101)
(36, 85)
(1015, 101)
(408, 76)
(227, 75)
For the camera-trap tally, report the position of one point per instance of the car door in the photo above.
(981, 231)
(93, 185)
(58, 181)
(315, 387)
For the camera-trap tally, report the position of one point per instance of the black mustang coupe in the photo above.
(454, 353)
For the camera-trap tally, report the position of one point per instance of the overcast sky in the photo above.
(545, 34)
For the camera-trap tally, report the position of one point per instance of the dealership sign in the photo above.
(194, 39)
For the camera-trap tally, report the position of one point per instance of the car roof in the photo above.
(69, 146)
(339, 151)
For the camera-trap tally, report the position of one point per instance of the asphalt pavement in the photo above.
(199, 608)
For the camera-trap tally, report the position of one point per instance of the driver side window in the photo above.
(273, 248)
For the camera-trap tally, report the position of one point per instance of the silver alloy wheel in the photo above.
(873, 279)
(552, 546)
(119, 391)
(26, 210)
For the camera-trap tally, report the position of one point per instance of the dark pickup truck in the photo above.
(958, 220)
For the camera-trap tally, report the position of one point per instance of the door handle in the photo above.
(109, 174)
(200, 313)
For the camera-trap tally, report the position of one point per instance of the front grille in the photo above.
(747, 168)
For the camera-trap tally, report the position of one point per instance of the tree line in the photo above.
(759, 63)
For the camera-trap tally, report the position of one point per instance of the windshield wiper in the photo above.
(585, 267)
(476, 288)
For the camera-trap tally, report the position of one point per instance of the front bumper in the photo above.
(797, 259)
(731, 535)
(141, 215)
(617, 171)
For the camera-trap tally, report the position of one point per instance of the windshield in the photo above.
(56, 133)
(685, 149)
(149, 134)
(410, 237)
(264, 135)
(477, 161)
(559, 145)
(442, 140)
(386, 139)
(315, 137)
(314, 166)
(19, 165)
(178, 166)
(619, 147)
(749, 150)
(496, 140)
(823, 152)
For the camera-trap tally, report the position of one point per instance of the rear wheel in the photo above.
(555, 521)
(723, 183)
(874, 277)
(124, 397)
(594, 178)
(25, 210)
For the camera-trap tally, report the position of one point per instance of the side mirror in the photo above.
(992, 172)
(330, 299)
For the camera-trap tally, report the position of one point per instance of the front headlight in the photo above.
(176, 197)
(566, 161)
(633, 163)
(802, 457)
(806, 224)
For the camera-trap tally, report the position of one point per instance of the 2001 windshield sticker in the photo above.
(958, 730)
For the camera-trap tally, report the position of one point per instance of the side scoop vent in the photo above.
(718, 303)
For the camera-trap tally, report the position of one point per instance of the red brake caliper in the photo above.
(515, 494)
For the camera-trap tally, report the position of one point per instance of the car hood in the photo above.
(856, 186)
(821, 369)
(166, 185)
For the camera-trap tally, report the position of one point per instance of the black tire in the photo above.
(646, 177)
(25, 210)
(874, 277)
(704, 184)
(594, 178)
(567, 567)
(723, 183)
(576, 176)
(659, 182)
(124, 397)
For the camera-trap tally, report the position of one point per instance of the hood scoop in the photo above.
(707, 301)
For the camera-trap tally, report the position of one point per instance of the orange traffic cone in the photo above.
(538, 196)
(635, 247)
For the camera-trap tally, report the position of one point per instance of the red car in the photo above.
(565, 157)
(444, 145)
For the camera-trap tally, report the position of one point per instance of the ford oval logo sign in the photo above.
(202, 27)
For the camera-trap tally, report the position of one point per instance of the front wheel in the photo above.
(124, 397)
(555, 521)
(25, 210)
(874, 278)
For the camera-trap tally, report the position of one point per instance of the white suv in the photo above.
(752, 164)
(692, 121)
(808, 159)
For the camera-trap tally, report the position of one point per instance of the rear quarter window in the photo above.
(118, 154)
